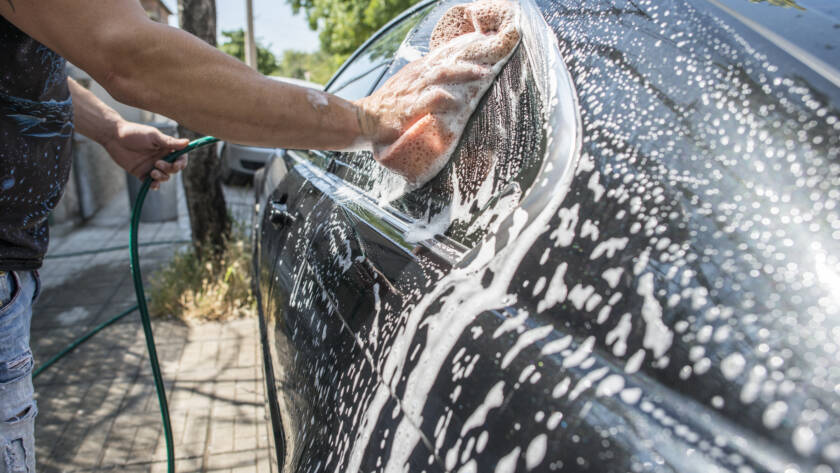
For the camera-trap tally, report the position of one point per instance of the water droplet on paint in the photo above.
(7, 183)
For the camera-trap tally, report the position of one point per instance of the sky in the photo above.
(274, 24)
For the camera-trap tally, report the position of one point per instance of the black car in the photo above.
(631, 263)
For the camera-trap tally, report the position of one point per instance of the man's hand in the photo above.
(134, 147)
(139, 149)
(414, 119)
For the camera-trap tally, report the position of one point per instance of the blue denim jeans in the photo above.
(18, 290)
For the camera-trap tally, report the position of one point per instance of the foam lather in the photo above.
(468, 48)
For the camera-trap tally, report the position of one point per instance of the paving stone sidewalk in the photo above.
(98, 407)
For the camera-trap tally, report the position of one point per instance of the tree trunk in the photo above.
(202, 178)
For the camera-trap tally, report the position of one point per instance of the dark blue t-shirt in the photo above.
(36, 129)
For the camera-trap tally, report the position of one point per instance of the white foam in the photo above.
(535, 453)
(556, 346)
(732, 366)
(610, 385)
(587, 381)
(609, 247)
(463, 293)
(774, 414)
(618, 335)
(317, 99)
(561, 388)
(631, 395)
(507, 464)
(557, 290)
(554, 420)
(751, 389)
(582, 352)
(804, 440)
(657, 337)
(493, 399)
(612, 276)
(526, 339)
(579, 294)
(635, 361)
(457, 53)
(832, 452)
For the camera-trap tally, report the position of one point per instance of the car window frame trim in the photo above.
(388, 26)
(359, 203)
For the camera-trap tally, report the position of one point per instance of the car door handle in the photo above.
(279, 214)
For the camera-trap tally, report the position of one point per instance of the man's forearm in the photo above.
(92, 117)
(168, 71)
(213, 93)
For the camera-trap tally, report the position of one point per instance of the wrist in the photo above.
(366, 125)
(371, 128)
(110, 129)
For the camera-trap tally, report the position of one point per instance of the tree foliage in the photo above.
(344, 25)
(780, 3)
(315, 67)
(235, 46)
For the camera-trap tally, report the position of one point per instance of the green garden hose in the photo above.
(141, 303)
(114, 248)
(141, 300)
(75, 344)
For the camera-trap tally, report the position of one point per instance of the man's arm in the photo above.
(136, 148)
(168, 71)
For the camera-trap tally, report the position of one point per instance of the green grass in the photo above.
(191, 288)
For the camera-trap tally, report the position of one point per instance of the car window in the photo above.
(362, 73)
(358, 78)
(497, 159)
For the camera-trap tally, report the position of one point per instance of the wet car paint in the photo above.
(661, 297)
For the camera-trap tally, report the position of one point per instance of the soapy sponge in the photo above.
(468, 48)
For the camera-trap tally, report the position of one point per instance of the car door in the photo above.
(309, 276)
(366, 253)
(583, 294)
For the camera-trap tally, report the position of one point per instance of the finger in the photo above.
(174, 167)
(155, 185)
(159, 176)
(163, 166)
(169, 142)
(437, 101)
(459, 73)
(169, 168)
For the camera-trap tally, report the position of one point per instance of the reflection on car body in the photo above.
(630, 264)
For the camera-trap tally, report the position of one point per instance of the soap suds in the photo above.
(473, 40)
(317, 99)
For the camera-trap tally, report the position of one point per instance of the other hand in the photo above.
(139, 149)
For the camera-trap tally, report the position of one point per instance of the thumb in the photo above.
(170, 142)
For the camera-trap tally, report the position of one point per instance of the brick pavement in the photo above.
(98, 407)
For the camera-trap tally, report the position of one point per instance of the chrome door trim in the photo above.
(386, 220)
